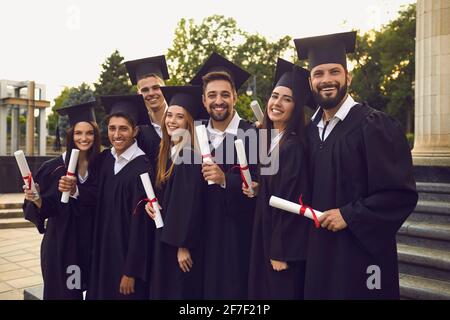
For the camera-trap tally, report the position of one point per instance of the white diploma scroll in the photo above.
(24, 170)
(242, 158)
(70, 172)
(292, 207)
(257, 111)
(202, 137)
(151, 196)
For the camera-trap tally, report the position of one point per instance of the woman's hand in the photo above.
(33, 196)
(68, 184)
(150, 210)
(126, 285)
(255, 187)
(184, 259)
(279, 265)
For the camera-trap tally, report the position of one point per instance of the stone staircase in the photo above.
(11, 214)
(424, 245)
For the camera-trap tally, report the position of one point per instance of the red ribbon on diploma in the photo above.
(70, 174)
(303, 209)
(146, 200)
(28, 180)
(241, 169)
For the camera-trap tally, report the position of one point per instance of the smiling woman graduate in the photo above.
(67, 236)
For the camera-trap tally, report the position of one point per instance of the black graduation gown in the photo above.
(279, 235)
(67, 235)
(182, 203)
(148, 141)
(122, 238)
(228, 227)
(364, 168)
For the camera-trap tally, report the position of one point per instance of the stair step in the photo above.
(440, 231)
(423, 289)
(11, 213)
(434, 207)
(433, 187)
(11, 223)
(438, 259)
(423, 242)
(17, 205)
(34, 293)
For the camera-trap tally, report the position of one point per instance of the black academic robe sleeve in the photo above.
(391, 195)
(47, 178)
(183, 211)
(140, 239)
(288, 240)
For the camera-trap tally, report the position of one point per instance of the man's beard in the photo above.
(222, 117)
(328, 102)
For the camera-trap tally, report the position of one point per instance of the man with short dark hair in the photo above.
(363, 181)
(123, 233)
(228, 212)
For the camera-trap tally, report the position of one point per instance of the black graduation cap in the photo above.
(331, 48)
(216, 62)
(142, 67)
(79, 113)
(295, 78)
(133, 105)
(188, 97)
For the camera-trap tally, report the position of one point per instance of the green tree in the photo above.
(384, 67)
(113, 80)
(194, 43)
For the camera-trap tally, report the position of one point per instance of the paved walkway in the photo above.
(19, 261)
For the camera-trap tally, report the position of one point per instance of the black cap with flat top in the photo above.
(83, 112)
(138, 69)
(216, 62)
(131, 105)
(331, 48)
(187, 97)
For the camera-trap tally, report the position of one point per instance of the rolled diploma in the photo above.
(151, 195)
(24, 168)
(292, 207)
(242, 158)
(202, 137)
(70, 172)
(257, 111)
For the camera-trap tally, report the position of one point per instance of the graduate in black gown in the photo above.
(362, 179)
(148, 74)
(123, 232)
(66, 244)
(177, 270)
(228, 212)
(280, 239)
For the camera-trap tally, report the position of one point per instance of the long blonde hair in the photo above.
(163, 173)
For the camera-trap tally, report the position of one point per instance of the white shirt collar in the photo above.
(343, 111)
(127, 154)
(232, 128)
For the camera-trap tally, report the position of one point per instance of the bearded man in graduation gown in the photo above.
(123, 232)
(228, 212)
(148, 74)
(363, 181)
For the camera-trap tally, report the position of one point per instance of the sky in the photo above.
(63, 43)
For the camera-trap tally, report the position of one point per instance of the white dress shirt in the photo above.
(275, 141)
(216, 137)
(131, 153)
(340, 115)
(157, 129)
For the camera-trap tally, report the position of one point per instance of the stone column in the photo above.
(432, 85)
(3, 127)
(15, 126)
(30, 120)
(42, 133)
